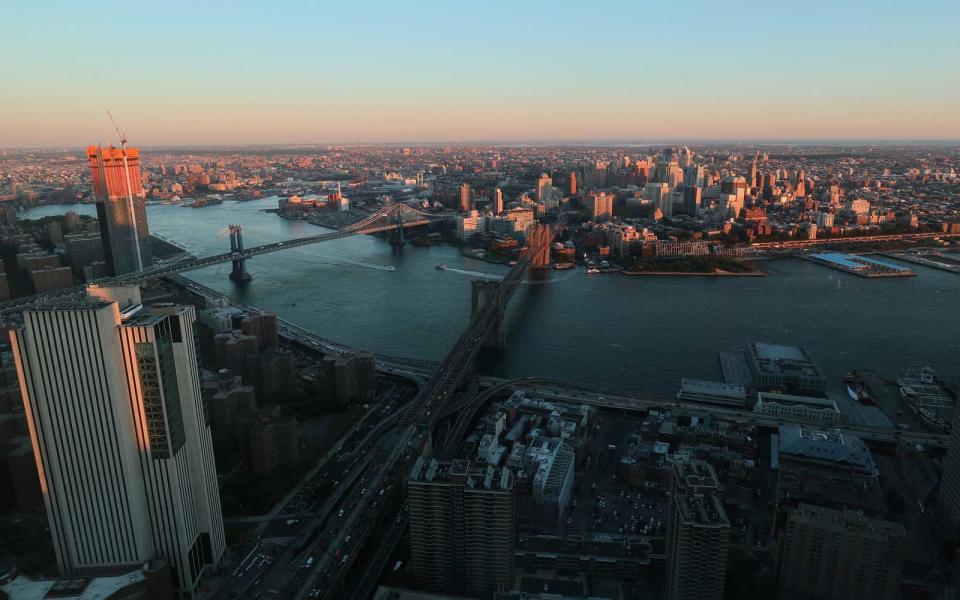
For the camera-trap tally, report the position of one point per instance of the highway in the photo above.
(363, 489)
(896, 237)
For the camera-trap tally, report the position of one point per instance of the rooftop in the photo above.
(773, 359)
(853, 521)
(829, 445)
(465, 472)
(712, 387)
(704, 511)
(79, 588)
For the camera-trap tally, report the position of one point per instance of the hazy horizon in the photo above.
(186, 74)
(515, 143)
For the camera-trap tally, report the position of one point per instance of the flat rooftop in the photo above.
(695, 475)
(713, 388)
(847, 520)
(79, 588)
(471, 475)
(703, 511)
(856, 262)
(828, 445)
(773, 359)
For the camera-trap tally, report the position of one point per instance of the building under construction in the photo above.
(121, 208)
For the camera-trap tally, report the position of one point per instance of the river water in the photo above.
(637, 333)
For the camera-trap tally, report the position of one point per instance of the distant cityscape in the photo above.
(160, 438)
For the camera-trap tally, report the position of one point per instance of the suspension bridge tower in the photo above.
(239, 271)
(396, 236)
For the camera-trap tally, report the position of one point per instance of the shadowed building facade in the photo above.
(121, 208)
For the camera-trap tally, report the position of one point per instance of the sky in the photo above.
(366, 71)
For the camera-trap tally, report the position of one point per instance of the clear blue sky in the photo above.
(219, 72)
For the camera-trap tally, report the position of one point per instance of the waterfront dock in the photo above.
(934, 260)
(861, 266)
(735, 370)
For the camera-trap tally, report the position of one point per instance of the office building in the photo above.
(573, 183)
(462, 527)
(824, 467)
(729, 206)
(466, 197)
(698, 533)
(599, 205)
(692, 197)
(544, 189)
(148, 581)
(948, 502)
(121, 212)
(840, 555)
(497, 201)
(112, 395)
(659, 195)
(694, 176)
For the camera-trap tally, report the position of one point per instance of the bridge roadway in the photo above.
(338, 540)
(387, 218)
(414, 432)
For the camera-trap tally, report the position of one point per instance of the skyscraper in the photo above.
(694, 176)
(544, 188)
(829, 553)
(497, 200)
(948, 503)
(698, 533)
(692, 197)
(112, 396)
(121, 211)
(573, 183)
(466, 197)
(598, 204)
(462, 527)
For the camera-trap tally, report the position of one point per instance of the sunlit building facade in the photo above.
(123, 448)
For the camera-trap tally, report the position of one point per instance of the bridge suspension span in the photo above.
(392, 216)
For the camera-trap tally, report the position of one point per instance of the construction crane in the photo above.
(130, 207)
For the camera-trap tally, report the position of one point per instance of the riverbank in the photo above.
(693, 274)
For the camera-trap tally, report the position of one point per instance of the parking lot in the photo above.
(601, 503)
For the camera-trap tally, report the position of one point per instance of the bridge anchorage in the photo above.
(239, 272)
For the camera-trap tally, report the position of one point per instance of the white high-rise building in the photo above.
(730, 206)
(497, 200)
(659, 195)
(112, 396)
(544, 188)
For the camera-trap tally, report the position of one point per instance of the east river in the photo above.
(636, 333)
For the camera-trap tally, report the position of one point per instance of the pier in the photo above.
(861, 266)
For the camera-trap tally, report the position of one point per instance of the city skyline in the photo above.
(498, 73)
